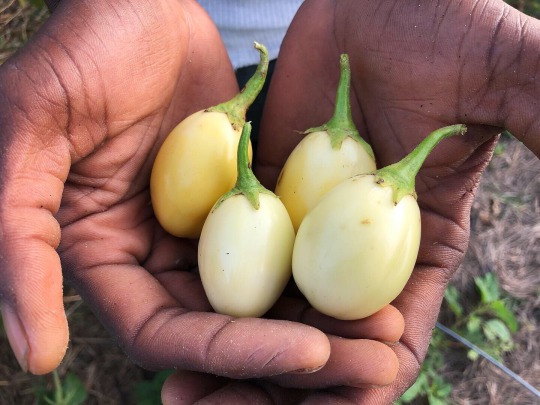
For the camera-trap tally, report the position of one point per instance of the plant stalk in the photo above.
(341, 125)
(237, 107)
(401, 175)
(246, 182)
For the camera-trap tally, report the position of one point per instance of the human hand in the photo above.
(90, 100)
(416, 66)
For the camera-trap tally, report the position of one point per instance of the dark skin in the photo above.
(88, 103)
(416, 66)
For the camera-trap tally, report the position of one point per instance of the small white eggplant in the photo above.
(328, 155)
(356, 249)
(246, 244)
(196, 163)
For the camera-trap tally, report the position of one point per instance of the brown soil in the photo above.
(505, 239)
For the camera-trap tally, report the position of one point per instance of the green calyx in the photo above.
(341, 124)
(246, 182)
(237, 107)
(401, 175)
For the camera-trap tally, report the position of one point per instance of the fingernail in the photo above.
(366, 386)
(306, 370)
(16, 336)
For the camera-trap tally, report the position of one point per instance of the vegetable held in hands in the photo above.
(197, 162)
(355, 251)
(246, 245)
(328, 155)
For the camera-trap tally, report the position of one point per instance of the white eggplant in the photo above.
(328, 155)
(246, 244)
(356, 249)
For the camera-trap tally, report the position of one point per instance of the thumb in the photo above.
(33, 167)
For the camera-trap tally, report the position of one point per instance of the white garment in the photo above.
(241, 22)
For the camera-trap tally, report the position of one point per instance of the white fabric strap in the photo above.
(240, 22)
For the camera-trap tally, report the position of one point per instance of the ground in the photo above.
(505, 240)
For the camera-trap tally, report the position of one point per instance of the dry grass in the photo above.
(107, 374)
(505, 239)
(19, 19)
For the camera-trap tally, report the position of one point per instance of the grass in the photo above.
(19, 19)
(505, 241)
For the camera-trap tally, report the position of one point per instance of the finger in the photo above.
(408, 370)
(173, 262)
(31, 289)
(190, 388)
(162, 335)
(445, 194)
(187, 289)
(187, 387)
(32, 176)
(386, 325)
(101, 255)
(376, 364)
(352, 363)
(252, 394)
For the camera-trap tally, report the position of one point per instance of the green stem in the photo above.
(246, 182)
(237, 107)
(481, 309)
(401, 175)
(58, 390)
(341, 125)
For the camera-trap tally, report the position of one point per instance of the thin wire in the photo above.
(489, 358)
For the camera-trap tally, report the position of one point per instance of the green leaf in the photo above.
(474, 324)
(435, 400)
(488, 286)
(496, 329)
(149, 392)
(69, 391)
(48, 400)
(451, 295)
(500, 310)
(74, 391)
(444, 389)
(473, 332)
(38, 3)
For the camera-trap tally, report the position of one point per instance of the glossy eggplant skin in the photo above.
(314, 167)
(245, 255)
(356, 249)
(193, 168)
